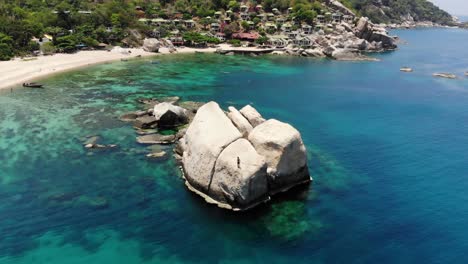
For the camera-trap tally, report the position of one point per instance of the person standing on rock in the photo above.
(238, 162)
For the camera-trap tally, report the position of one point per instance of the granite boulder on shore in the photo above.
(237, 160)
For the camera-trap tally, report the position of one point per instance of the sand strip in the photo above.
(18, 71)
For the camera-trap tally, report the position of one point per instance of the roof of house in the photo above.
(245, 35)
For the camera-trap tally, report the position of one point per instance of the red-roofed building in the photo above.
(251, 36)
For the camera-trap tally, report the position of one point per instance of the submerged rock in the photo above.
(129, 117)
(156, 154)
(145, 122)
(406, 69)
(445, 75)
(156, 139)
(239, 173)
(97, 203)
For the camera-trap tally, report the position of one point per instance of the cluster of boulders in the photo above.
(238, 159)
(235, 159)
(160, 115)
(347, 42)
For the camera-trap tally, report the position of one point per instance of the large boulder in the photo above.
(237, 172)
(169, 115)
(151, 45)
(252, 115)
(368, 31)
(210, 132)
(285, 153)
(239, 178)
(388, 42)
(239, 121)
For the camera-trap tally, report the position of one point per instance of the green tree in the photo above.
(6, 47)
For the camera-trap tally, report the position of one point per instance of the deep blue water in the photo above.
(387, 150)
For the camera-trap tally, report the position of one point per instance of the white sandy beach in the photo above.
(18, 71)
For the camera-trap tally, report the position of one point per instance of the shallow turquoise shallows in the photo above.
(388, 152)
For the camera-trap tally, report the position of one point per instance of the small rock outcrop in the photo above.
(237, 159)
(372, 33)
(445, 75)
(168, 115)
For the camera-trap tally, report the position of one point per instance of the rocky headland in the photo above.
(347, 42)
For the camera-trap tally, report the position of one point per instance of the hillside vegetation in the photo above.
(72, 24)
(396, 11)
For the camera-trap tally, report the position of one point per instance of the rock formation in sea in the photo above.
(238, 160)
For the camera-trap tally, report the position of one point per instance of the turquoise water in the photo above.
(387, 151)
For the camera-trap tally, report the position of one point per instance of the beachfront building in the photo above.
(279, 41)
(244, 16)
(244, 9)
(321, 19)
(176, 38)
(214, 27)
(259, 8)
(227, 20)
(189, 23)
(270, 16)
(221, 36)
(306, 29)
(348, 19)
(286, 27)
(217, 14)
(304, 42)
(336, 18)
(293, 34)
(280, 20)
(276, 11)
(290, 10)
(270, 26)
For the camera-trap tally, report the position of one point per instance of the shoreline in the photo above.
(17, 71)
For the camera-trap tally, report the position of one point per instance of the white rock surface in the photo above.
(252, 115)
(239, 121)
(209, 133)
(240, 176)
(285, 153)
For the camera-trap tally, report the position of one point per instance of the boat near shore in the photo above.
(32, 85)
